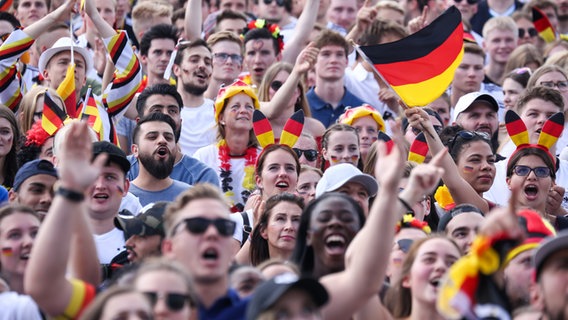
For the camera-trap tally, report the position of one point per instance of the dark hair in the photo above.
(456, 211)
(230, 15)
(152, 117)
(271, 148)
(336, 127)
(519, 154)
(539, 92)
(161, 89)
(262, 33)
(303, 254)
(10, 162)
(258, 245)
(160, 31)
(5, 16)
(451, 138)
(331, 38)
(521, 76)
(183, 48)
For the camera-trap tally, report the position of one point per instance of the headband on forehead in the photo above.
(362, 111)
(549, 134)
(290, 133)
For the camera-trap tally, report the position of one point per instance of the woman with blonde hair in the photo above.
(31, 107)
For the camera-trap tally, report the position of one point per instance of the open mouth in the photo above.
(282, 185)
(25, 256)
(531, 191)
(435, 282)
(210, 255)
(162, 151)
(100, 196)
(336, 244)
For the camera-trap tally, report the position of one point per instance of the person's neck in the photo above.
(214, 86)
(209, 292)
(190, 100)
(422, 311)
(237, 141)
(320, 269)
(330, 91)
(279, 254)
(102, 226)
(500, 6)
(494, 71)
(156, 79)
(148, 182)
(16, 282)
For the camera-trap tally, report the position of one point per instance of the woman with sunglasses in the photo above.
(119, 303)
(169, 288)
(306, 149)
(235, 154)
(367, 122)
(469, 165)
(282, 92)
(525, 26)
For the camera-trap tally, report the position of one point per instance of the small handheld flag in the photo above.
(543, 25)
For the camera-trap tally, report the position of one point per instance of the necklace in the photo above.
(226, 178)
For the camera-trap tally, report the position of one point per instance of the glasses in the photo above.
(174, 301)
(311, 154)
(280, 3)
(468, 1)
(468, 135)
(540, 172)
(531, 32)
(560, 85)
(222, 57)
(275, 85)
(225, 227)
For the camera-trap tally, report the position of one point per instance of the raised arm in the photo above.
(365, 17)
(302, 31)
(368, 253)
(461, 190)
(193, 20)
(274, 108)
(65, 222)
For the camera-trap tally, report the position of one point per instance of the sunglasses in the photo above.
(280, 3)
(468, 1)
(531, 32)
(275, 85)
(223, 57)
(540, 172)
(225, 227)
(174, 301)
(311, 154)
(468, 135)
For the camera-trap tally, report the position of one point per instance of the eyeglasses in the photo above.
(311, 154)
(468, 135)
(523, 171)
(198, 225)
(174, 301)
(560, 85)
(280, 3)
(531, 32)
(275, 85)
(222, 57)
(468, 1)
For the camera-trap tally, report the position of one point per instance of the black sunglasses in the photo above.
(275, 85)
(198, 225)
(280, 3)
(311, 154)
(523, 171)
(468, 135)
(531, 31)
(468, 1)
(174, 301)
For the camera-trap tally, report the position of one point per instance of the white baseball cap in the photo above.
(64, 44)
(338, 175)
(467, 100)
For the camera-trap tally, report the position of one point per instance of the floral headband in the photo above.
(273, 28)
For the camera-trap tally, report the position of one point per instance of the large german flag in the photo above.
(421, 66)
(543, 26)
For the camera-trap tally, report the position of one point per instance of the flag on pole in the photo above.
(53, 117)
(92, 115)
(543, 25)
(66, 91)
(420, 67)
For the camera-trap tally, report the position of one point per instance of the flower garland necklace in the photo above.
(226, 179)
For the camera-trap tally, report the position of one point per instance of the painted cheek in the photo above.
(467, 169)
(7, 251)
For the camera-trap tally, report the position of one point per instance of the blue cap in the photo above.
(33, 168)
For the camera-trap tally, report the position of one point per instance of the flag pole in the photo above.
(71, 36)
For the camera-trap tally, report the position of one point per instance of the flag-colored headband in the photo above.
(231, 90)
(358, 112)
(290, 133)
(418, 149)
(550, 133)
(271, 27)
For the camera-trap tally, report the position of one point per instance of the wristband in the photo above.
(406, 205)
(70, 195)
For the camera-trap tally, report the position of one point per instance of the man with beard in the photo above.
(193, 67)
(154, 141)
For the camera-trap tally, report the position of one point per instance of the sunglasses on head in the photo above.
(523, 171)
(280, 3)
(531, 32)
(198, 225)
(468, 135)
(311, 154)
(174, 301)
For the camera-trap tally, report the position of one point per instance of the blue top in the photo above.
(324, 112)
(229, 307)
(188, 170)
(169, 194)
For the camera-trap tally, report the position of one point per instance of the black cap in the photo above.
(115, 154)
(149, 222)
(33, 168)
(268, 293)
(547, 248)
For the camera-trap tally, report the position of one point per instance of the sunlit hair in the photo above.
(543, 93)
(337, 127)
(538, 73)
(271, 73)
(271, 148)
(11, 209)
(28, 105)
(523, 55)
(95, 310)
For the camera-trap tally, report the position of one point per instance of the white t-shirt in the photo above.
(198, 127)
(14, 306)
(109, 245)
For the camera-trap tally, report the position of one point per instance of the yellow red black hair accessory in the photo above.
(290, 133)
(228, 91)
(273, 28)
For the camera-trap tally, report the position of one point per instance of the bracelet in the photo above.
(406, 205)
(70, 195)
